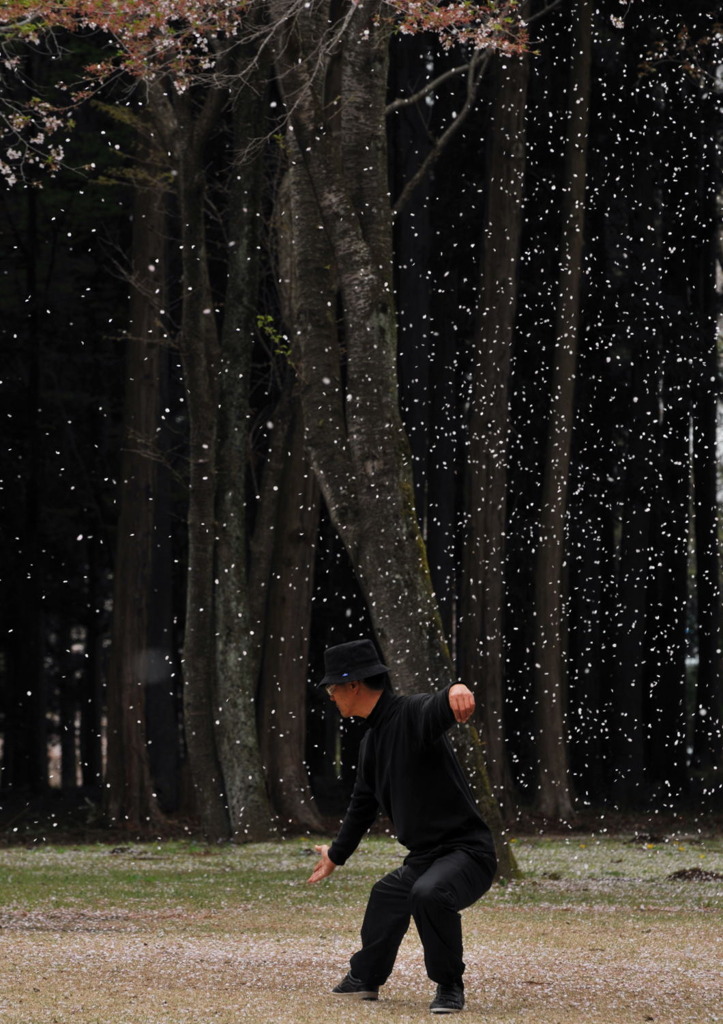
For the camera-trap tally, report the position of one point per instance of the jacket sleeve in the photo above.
(432, 715)
(360, 816)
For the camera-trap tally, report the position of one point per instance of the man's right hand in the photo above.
(324, 867)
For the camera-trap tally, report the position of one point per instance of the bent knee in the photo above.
(438, 896)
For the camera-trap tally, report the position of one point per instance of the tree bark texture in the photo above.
(554, 797)
(481, 654)
(354, 434)
(286, 638)
(238, 645)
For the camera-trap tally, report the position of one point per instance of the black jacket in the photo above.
(408, 769)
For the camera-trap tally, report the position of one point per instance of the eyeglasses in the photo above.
(333, 686)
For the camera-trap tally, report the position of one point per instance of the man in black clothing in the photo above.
(408, 769)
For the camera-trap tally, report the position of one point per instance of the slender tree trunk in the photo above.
(287, 528)
(220, 657)
(68, 708)
(629, 779)
(554, 797)
(707, 731)
(162, 704)
(410, 134)
(590, 550)
(286, 639)
(200, 356)
(708, 249)
(91, 728)
(128, 795)
(481, 655)
(640, 132)
(665, 711)
(238, 645)
(25, 741)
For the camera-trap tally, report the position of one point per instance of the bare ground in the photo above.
(568, 948)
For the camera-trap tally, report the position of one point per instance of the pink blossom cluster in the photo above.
(29, 141)
(179, 40)
(183, 42)
(481, 26)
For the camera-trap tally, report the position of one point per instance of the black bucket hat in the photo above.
(355, 660)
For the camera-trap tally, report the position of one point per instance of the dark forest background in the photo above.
(502, 325)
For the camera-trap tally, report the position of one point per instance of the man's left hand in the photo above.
(461, 701)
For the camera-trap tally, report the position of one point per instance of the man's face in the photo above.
(344, 696)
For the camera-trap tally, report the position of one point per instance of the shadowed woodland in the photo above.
(329, 330)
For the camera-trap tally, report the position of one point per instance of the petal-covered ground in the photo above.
(599, 931)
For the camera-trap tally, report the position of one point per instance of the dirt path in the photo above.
(525, 965)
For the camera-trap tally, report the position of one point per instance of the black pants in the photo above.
(432, 893)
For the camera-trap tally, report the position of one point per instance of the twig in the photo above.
(476, 70)
(543, 12)
(408, 101)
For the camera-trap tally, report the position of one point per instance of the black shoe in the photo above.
(351, 986)
(449, 999)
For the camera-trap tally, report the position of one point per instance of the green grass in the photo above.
(176, 932)
(152, 876)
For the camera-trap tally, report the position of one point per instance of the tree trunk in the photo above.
(286, 639)
(554, 797)
(707, 251)
(481, 655)
(707, 731)
(200, 356)
(665, 710)
(162, 697)
(355, 437)
(410, 142)
(357, 444)
(629, 776)
(25, 740)
(91, 714)
(128, 796)
(238, 644)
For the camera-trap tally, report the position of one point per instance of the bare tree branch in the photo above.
(475, 71)
(543, 12)
(408, 101)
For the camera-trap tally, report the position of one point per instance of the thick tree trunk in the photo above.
(358, 447)
(355, 437)
(481, 655)
(128, 796)
(554, 797)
